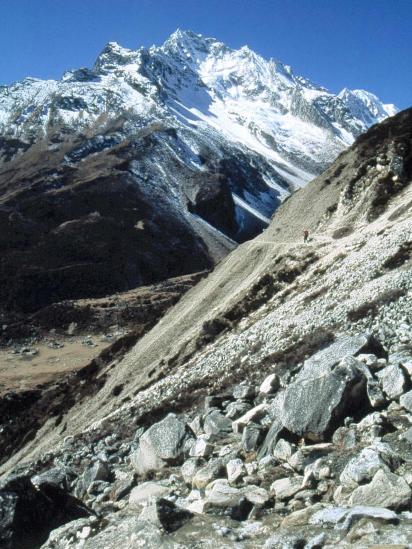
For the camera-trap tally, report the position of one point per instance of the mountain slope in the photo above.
(155, 163)
(276, 297)
(330, 319)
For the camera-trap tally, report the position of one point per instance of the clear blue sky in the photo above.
(337, 43)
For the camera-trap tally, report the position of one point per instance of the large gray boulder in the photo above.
(28, 513)
(329, 387)
(344, 517)
(317, 401)
(363, 467)
(385, 490)
(165, 443)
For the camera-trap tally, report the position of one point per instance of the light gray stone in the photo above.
(392, 380)
(163, 443)
(143, 492)
(385, 490)
(235, 470)
(270, 385)
(201, 448)
(223, 495)
(406, 401)
(256, 495)
(283, 450)
(362, 468)
(344, 517)
(321, 395)
(285, 488)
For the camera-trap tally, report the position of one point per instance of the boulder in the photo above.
(344, 517)
(283, 450)
(392, 380)
(201, 448)
(321, 395)
(406, 401)
(165, 514)
(235, 470)
(162, 444)
(285, 488)
(270, 385)
(145, 491)
(385, 490)
(362, 468)
(28, 514)
(256, 495)
(217, 424)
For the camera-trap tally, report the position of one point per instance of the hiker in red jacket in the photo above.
(305, 235)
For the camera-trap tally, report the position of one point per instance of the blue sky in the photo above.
(337, 43)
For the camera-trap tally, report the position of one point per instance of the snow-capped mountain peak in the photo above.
(224, 106)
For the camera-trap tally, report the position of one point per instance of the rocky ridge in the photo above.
(271, 407)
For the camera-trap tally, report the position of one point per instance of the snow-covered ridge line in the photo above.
(222, 101)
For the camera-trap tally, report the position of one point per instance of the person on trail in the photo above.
(305, 235)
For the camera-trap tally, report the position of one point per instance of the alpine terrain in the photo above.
(271, 405)
(154, 164)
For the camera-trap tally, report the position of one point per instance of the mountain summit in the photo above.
(195, 82)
